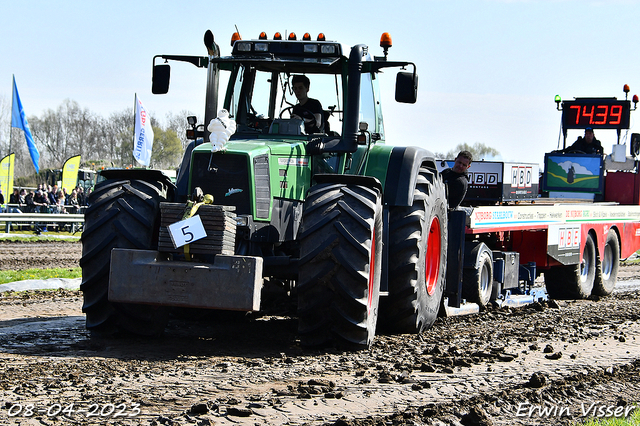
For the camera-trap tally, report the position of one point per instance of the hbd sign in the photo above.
(521, 176)
(479, 178)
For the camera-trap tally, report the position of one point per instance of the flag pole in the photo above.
(11, 129)
(133, 138)
(12, 103)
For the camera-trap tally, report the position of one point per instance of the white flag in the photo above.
(143, 135)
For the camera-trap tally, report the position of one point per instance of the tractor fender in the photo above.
(146, 175)
(403, 170)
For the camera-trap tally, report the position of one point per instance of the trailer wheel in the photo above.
(574, 281)
(477, 282)
(417, 258)
(122, 214)
(340, 266)
(607, 266)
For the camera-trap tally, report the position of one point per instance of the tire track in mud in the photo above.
(488, 368)
(251, 370)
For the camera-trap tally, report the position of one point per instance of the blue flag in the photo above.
(19, 121)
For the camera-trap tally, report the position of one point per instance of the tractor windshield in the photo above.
(255, 98)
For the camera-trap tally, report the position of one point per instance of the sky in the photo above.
(488, 70)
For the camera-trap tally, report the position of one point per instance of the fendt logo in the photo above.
(521, 177)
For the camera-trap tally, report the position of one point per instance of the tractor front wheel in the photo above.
(122, 214)
(340, 265)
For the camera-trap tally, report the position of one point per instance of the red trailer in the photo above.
(573, 224)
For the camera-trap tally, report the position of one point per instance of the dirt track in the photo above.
(501, 367)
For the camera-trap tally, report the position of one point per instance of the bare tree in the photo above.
(68, 131)
(478, 150)
(118, 137)
(71, 130)
(23, 164)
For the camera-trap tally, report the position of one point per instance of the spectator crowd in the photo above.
(47, 199)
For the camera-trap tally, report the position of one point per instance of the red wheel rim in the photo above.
(434, 251)
(372, 269)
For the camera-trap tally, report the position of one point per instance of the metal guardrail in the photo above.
(43, 220)
(41, 217)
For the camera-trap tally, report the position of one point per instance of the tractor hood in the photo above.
(254, 147)
(250, 174)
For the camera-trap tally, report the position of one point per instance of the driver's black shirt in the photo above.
(314, 106)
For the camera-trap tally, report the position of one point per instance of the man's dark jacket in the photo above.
(456, 186)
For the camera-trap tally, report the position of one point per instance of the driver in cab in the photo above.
(307, 109)
(587, 144)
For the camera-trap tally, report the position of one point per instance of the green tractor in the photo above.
(353, 230)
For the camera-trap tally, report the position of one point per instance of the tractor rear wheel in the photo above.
(573, 281)
(607, 266)
(122, 214)
(417, 258)
(340, 265)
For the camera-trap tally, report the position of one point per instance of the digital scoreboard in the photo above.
(597, 113)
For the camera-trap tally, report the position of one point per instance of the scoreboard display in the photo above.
(597, 113)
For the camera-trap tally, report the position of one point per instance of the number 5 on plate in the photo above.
(187, 231)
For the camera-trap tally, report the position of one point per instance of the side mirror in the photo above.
(160, 79)
(634, 146)
(407, 87)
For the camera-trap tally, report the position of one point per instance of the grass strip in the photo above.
(39, 274)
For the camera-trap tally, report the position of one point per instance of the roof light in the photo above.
(244, 46)
(235, 37)
(321, 37)
(385, 43)
(557, 100)
(277, 36)
(310, 48)
(306, 37)
(263, 36)
(292, 36)
(385, 40)
(328, 49)
(626, 89)
(261, 47)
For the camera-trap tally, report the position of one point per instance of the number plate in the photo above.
(187, 231)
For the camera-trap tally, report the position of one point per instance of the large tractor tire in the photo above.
(417, 258)
(122, 214)
(607, 266)
(573, 281)
(340, 266)
(477, 280)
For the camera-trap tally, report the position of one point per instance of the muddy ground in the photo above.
(546, 364)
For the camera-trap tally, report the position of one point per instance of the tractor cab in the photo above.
(583, 170)
(272, 120)
(260, 94)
